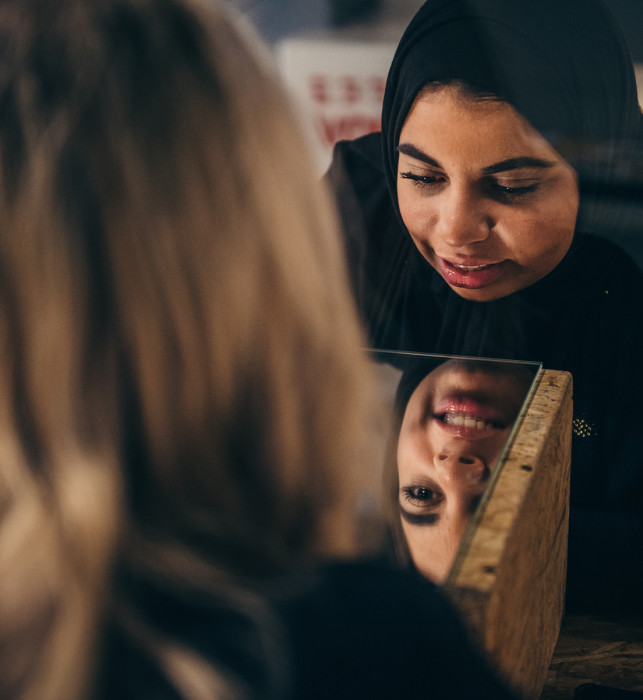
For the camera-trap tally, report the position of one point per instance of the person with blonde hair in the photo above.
(184, 399)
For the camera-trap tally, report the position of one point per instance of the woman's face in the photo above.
(487, 200)
(455, 426)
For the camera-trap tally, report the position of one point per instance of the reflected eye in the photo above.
(421, 495)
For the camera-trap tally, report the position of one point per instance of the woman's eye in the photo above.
(423, 181)
(511, 192)
(421, 495)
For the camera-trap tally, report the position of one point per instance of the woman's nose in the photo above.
(462, 467)
(463, 219)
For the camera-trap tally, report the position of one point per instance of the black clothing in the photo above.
(344, 632)
(564, 66)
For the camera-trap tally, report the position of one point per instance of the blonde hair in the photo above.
(184, 397)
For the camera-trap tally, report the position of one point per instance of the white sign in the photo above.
(338, 86)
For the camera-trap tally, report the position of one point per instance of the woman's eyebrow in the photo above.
(517, 164)
(419, 518)
(408, 149)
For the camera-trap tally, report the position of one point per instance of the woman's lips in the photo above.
(468, 419)
(472, 275)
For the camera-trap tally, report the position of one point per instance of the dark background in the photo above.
(276, 19)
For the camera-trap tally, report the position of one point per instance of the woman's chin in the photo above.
(489, 293)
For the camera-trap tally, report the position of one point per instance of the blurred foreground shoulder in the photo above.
(364, 630)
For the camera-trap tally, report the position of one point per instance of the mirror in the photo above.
(452, 420)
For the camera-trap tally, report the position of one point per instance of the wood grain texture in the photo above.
(606, 650)
(509, 576)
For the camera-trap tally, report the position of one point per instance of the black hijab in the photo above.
(563, 64)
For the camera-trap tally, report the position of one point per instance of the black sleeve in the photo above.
(605, 566)
(365, 631)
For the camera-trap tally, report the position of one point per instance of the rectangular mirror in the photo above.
(451, 420)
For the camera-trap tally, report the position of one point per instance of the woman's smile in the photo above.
(470, 276)
(469, 418)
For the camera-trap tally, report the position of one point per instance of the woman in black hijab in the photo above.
(557, 78)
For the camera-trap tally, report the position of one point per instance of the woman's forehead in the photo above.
(489, 132)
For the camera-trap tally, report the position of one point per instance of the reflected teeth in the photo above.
(462, 420)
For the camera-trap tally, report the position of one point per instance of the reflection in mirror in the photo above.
(453, 418)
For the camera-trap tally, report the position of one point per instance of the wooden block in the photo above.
(508, 578)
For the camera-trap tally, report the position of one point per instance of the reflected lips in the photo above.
(471, 276)
(468, 419)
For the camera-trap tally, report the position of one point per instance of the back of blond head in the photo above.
(183, 394)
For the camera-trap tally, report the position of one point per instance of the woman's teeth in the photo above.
(470, 268)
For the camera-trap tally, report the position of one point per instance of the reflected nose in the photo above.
(454, 465)
(463, 219)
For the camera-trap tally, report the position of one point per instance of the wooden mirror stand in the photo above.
(508, 579)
